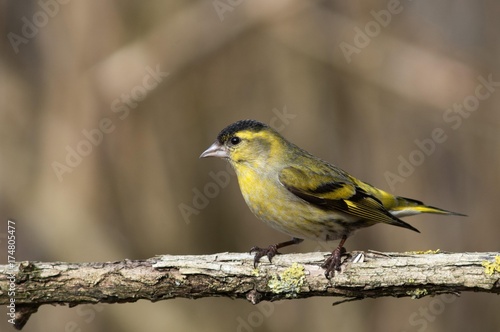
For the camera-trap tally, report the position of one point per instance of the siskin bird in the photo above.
(303, 196)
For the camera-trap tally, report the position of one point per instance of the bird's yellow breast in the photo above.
(271, 202)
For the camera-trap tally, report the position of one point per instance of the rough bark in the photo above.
(232, 275)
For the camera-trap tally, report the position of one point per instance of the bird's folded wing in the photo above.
(330, 191)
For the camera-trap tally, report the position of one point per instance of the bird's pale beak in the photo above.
(215, 150)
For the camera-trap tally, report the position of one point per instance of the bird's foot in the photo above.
(333, 262)
(270, 252)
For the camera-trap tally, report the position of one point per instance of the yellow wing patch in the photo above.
(325, 186)
(337, 193)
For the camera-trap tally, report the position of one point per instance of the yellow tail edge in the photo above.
(409, 206)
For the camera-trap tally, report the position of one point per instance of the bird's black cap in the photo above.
(233, 128)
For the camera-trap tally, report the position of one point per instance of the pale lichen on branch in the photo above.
(233, 275)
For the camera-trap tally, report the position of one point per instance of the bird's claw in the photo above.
(270, 252)
(333, 262)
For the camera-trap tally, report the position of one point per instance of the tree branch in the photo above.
(232, 275)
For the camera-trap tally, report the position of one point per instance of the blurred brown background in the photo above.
(106, 106)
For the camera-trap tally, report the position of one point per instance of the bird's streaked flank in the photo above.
(302, 195)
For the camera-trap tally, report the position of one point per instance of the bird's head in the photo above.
(246, 142)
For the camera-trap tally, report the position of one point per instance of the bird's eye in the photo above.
(235, 140)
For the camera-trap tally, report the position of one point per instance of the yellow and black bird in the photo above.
(303, 196)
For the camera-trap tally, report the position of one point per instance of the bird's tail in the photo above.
(409, 207)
